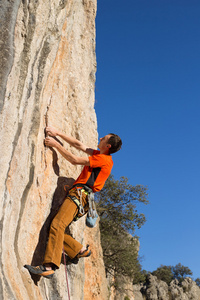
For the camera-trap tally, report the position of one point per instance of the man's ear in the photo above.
(109, 146)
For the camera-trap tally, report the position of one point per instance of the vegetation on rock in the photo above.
(198, 281)
(116, 206)
(168, 273)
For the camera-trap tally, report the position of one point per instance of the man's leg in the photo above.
(53, 253)
(63, 218)
(54, 248)
(71, 246)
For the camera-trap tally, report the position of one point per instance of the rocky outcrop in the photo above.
(47, 76)
(125, 291)
(156, 289)
(186, 290)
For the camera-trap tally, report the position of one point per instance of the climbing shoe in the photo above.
(40, 270)
(85, 253)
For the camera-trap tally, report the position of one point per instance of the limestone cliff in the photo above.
(155, 289)
(47, 75)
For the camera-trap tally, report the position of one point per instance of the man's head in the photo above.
(115, 142)
(110, 143)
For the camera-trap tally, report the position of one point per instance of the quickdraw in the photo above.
(81, 208)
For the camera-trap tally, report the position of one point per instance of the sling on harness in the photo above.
(92, 213)
(88, 191)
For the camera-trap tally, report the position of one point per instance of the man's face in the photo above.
(103, 144)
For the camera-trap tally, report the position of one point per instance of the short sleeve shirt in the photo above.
(97, 173)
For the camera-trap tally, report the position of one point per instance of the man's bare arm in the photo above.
(73, 159)
(70, 140)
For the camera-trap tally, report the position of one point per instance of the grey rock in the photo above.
(155, 289)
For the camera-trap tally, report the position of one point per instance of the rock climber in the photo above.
(97, 168)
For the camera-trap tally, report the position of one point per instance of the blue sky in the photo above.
(148, 92)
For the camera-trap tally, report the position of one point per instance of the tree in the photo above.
(164, 273)
(168, 273)
(198, 281)
(116, 206)
(180, 272)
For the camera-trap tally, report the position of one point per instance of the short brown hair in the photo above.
(115, 142)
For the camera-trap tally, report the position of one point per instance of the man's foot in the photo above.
(40, 270)
(84, 253)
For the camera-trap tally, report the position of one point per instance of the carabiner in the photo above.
(81, 209)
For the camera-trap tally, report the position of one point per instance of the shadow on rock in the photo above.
(63, 186)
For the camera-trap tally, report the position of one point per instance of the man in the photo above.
(97, 168)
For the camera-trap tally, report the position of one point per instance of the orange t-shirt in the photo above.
(96, 174)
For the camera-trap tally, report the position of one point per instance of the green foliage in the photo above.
(180, 272)
(198, 281)
(140, 277)
(164, 273)
(126, 298)
(168, 273)
(116, 206)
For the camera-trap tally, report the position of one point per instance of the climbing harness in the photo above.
(79, 204)
(66, 273)
(92, 213)
(81, 208)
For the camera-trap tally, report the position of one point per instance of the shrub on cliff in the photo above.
(116, 206)
(168, 273)
(180, 272)
(164, 273)
(198, 282)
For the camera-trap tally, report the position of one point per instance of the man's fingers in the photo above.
(50, 131)
(47, 140)
(50, 142)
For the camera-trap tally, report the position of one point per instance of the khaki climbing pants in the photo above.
(57, 236)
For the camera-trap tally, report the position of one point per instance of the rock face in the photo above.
(47, 76)
(156, 289)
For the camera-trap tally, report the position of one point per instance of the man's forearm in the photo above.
(73, 159)
(51, 131)
(70, 140)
